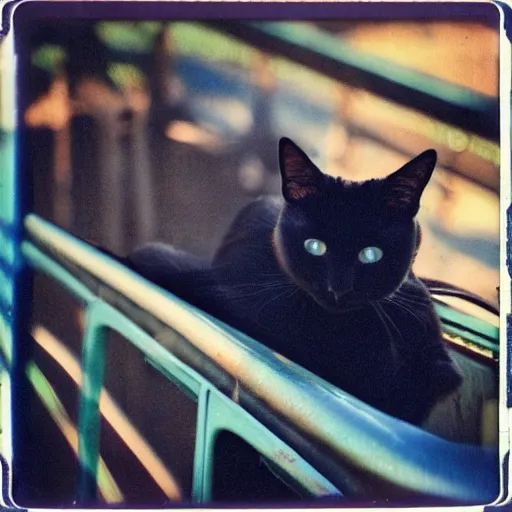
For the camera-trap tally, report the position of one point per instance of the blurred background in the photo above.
(145, 131)
(163, 131)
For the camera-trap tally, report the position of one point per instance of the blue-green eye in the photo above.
(370, 255)
(315, 247)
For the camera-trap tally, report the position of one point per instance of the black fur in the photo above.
(369, 328)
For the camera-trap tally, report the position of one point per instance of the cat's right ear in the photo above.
(300, 176)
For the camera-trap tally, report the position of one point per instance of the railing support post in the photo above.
(93, 363)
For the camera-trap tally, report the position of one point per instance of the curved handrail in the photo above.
(358, 434)
(443, 288)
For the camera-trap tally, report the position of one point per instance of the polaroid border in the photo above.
(265, 10)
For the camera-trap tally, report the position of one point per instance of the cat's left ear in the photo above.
(300, 176)
(403, 188)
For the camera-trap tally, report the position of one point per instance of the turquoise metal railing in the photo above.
(372, 442)
(211, 404)
(470, 328)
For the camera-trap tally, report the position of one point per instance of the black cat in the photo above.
(323, 276)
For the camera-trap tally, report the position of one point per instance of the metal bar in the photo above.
(116, 418)
(201, 484)
(470, 337)
(89, 417)
(7, 248)
(485, 332)
(225, 414)
(40, 261)
(332, 57)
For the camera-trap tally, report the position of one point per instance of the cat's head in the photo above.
(348, 243)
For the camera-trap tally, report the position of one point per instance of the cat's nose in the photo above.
(338, 293)
(341, 283)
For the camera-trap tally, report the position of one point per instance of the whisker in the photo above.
(285, 294)
(405, 302)
(267, 285)
(411, 296)
(271, 274)
(404, 307)
(414, 301)
(260, 291)
(383, 316)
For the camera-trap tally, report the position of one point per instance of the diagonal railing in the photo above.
(274, 391)
(333, 57)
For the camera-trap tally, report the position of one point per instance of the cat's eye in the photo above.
(315, 247)
(370, 255)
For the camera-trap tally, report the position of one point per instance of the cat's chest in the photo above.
(292, 323)
(287, 317)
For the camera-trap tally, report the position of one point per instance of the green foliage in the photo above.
(125, 74)
(129, 36)
(48, 57)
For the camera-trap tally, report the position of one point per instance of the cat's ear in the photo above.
(300, 176)
(403, 188)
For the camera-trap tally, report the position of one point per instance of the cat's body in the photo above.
(303, 275)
